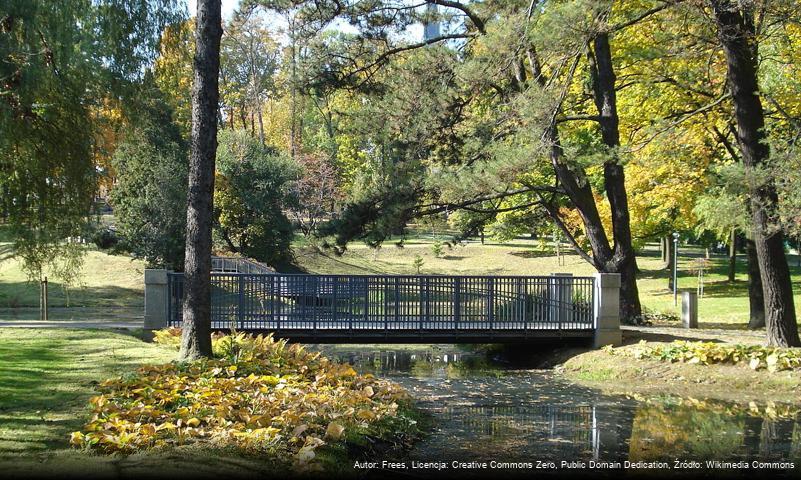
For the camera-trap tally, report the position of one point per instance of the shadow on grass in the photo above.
(534, 254)
(24, 372)
(633, 337)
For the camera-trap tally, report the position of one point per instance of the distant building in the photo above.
(431, 28)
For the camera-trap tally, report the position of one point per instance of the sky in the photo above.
(275, 23)
(228, 7)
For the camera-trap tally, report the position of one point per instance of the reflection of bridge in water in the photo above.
(394, 308)
(499, 414)
(485, 408)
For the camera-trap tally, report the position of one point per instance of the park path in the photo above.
(75, 317)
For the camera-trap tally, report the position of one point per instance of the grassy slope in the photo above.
(735, 383)
(724, 304)
(107, 281)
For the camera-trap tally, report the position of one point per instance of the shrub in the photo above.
(105, 238)
(704, 353)
(261, 395)
(436, 248)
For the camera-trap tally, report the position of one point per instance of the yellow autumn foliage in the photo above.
(259, 395)
(773, 359)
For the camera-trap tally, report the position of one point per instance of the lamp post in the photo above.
(675, 268)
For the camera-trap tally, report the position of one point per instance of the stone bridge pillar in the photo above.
(560, 295)
(156, 298)
(607, 310)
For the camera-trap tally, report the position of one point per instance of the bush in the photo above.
(105, 238)
(705, 353)
(260, 395)
(250, 196)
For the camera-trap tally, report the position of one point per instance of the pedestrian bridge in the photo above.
(250, 297)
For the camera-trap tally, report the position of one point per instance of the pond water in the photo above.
(484, 411)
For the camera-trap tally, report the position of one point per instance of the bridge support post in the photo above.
(156, 298)
(560, 292)
(606, 310)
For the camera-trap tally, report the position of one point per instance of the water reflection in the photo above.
(486, 412)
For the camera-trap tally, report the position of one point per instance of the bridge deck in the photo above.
(397, 308)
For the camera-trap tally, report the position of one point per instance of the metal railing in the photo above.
(238, 265)
(350, 305)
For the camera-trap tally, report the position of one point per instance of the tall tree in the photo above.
(737, 34)
(59, 61)
(249, 59)
(196, 337)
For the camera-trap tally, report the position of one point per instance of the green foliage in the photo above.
(251, 195)
(705, 353)
(436, 248)
(59, 59)
(417, 263)
(149, 199)
(270, 398)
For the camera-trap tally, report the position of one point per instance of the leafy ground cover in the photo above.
(773, 359)
(260, 396)
(48, 376)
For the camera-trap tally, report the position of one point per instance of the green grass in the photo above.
(724, 304)
(48, 375)
(46, 379)
(106, 281)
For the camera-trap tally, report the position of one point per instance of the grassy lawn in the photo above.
(108, 281)
(724, 305)
(46, 378)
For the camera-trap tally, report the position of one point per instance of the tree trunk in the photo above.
(663, 251)
(756, 299)
(196, 338)
(670, 260)
(733, 256)
(572, 178)
(736, 33)
(261, 123)
(624, 260)
(798, 252)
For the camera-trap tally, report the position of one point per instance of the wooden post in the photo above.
(44, 299)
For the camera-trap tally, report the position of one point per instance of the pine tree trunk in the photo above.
(756, 299)
(624, 260)
(736, 33)
(604, 258)
(196, 338)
